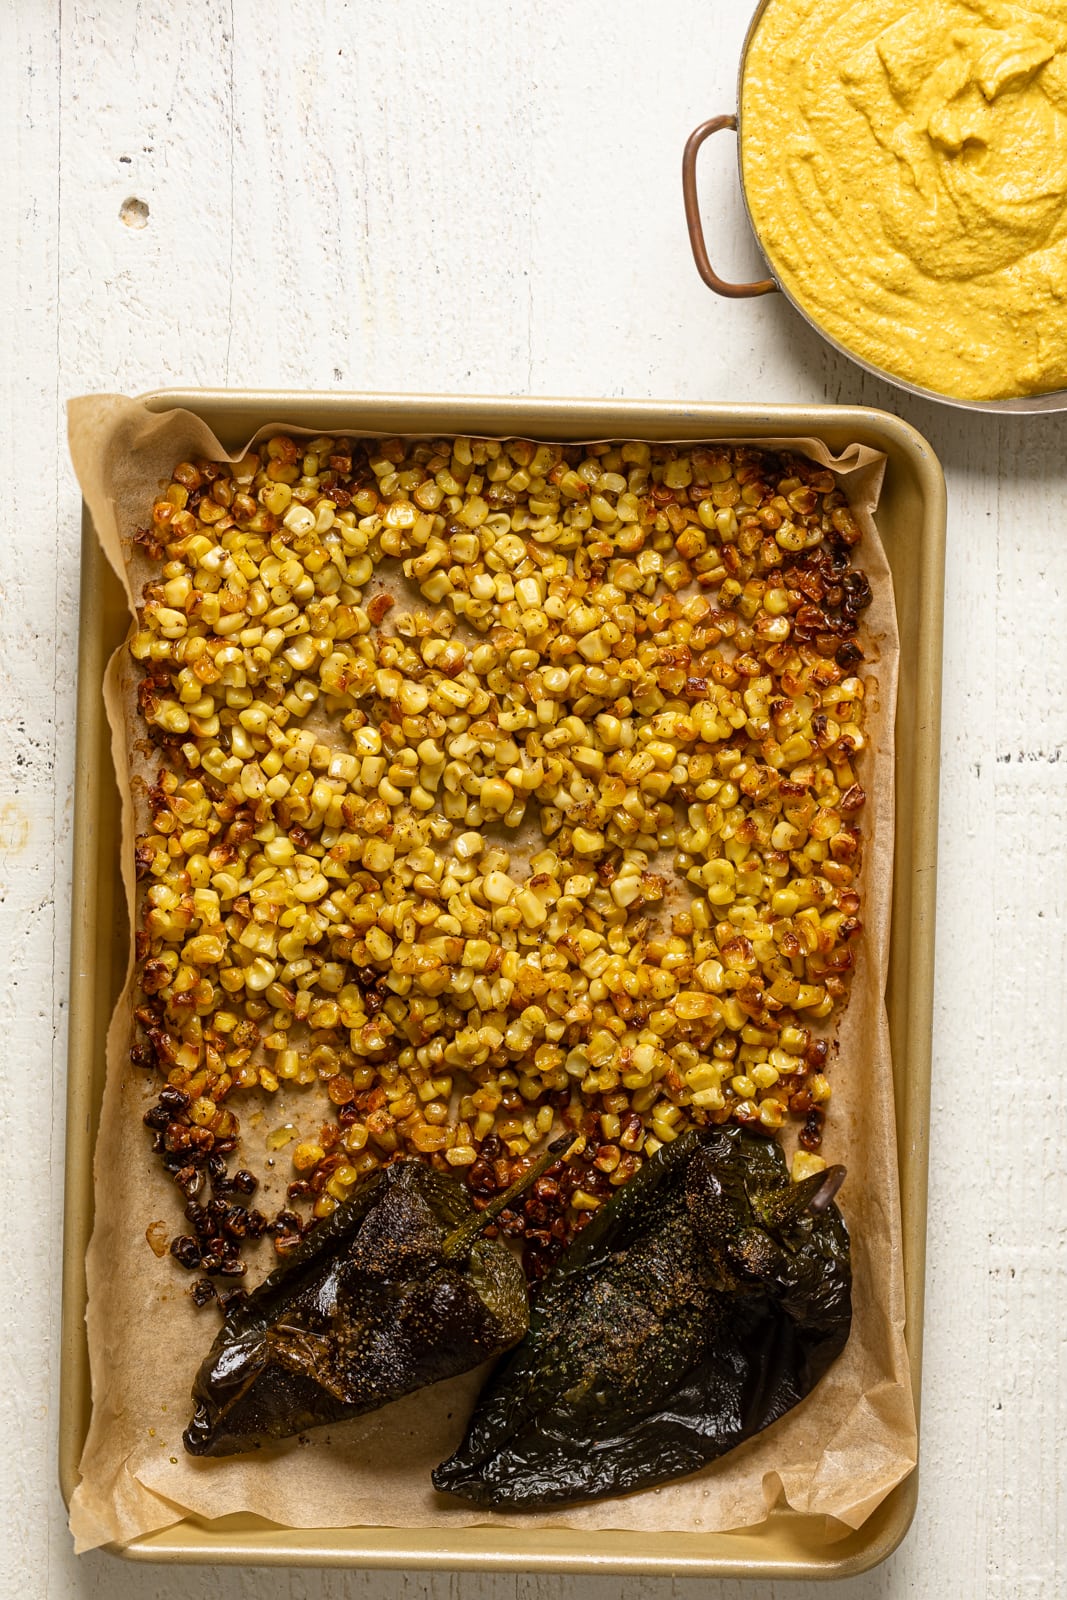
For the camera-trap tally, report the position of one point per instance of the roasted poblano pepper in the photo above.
(703, 1301)
(397, 1289)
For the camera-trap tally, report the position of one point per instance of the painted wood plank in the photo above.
(415, 195)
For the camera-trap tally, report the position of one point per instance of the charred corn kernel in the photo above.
(306, 1156)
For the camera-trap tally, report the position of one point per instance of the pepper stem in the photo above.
(784, 1207)
(832, 1179)
(460, 1241)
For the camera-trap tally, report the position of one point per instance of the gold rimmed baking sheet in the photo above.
(911, 521)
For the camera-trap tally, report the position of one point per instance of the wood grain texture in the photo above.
(412, 194)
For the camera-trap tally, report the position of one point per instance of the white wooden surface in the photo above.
(484, 196)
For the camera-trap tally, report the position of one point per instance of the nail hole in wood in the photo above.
(134, 213)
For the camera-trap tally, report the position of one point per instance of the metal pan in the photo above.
(1055, 400)
(911, 519)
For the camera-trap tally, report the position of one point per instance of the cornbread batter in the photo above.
(906, 168)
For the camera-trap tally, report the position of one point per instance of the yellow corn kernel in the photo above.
(307, 1155)
(805, 1165)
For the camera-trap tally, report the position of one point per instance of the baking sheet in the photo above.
(133, 455)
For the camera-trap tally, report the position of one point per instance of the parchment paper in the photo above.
(836, 1456)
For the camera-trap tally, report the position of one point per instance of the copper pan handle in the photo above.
(733, 291)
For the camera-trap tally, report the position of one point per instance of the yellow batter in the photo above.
(905, 163)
